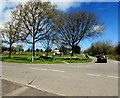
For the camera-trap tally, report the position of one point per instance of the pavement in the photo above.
(78, 79)
(15, 90)
(10, 88)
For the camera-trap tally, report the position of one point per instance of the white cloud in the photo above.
(14, 44)
(21, 43)
(66, 5)
(1, 26)
(23, 1)
(6, 6)
(6, 16)
(25, 44)
(97, 28)
(63, 5)
(1, 6)
(5, 12)
(38, 44)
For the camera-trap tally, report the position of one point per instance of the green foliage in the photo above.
(118, 49)
(101, 47)
(4, 48)
(64, 49)
(114, 58)
(77, 49)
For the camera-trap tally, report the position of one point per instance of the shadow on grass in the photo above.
(2, 58)
(70, 59)
(19, 58)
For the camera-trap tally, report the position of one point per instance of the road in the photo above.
(85, 79)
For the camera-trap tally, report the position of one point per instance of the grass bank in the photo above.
(25, 57)
(114, 57)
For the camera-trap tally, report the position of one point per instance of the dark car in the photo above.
(101, 58)
(86, 55)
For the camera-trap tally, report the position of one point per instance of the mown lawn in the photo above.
(25, 57)
(114, 57)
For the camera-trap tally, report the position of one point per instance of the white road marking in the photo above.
(100, 75)
(93, 74)
(31, 86)
(57, 70)
(38, 68)
(47, 69)
(113, 77)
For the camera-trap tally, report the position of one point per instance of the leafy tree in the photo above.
(101, 47)
(37, 19)
(41, 50)
(77, 49)
(4, 48)
(64, 49)
(118, 48)
(11, 34)
(37, 50)
(28, 50)
(76, 26)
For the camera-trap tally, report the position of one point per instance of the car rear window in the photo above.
(102, 56)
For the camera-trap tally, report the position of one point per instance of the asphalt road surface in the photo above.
(85, 79)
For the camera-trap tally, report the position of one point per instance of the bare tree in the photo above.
(76, 26)
(37, 19)
(11, 34)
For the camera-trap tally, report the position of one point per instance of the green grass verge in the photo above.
(114, 58)
(73, 60)
(42, 61)
(26, 58)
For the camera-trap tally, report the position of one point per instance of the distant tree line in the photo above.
(18, 48)
(4, 48)
(103, 47)
(67, 50)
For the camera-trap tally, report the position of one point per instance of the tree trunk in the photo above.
(47, 53)
(33, 50)
(72, 54)
(10, 50)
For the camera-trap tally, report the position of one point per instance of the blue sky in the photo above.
(107, 13)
